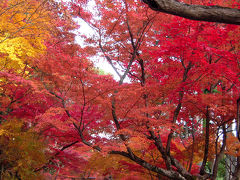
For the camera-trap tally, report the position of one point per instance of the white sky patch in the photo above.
(100, 62)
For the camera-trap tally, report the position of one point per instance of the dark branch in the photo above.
(196, 12)
(206, 148)
(55, 155)
(171, 174)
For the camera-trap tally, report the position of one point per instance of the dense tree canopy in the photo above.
(172, 112)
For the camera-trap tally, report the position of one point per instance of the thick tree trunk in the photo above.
(196, 12)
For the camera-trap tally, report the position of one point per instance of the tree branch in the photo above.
(55, 155)
(179, 106)
(196, 12)
(207, 134)
(220, 155)
(171, 174)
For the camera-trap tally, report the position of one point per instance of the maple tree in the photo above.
(167, 116)
(25, 28)
(179, 100)
(39, 91)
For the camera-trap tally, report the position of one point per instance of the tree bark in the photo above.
(196, 12)
(206, 148)
(168, 173)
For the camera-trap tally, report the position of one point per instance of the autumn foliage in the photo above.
(171, 111)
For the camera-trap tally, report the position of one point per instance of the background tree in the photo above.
(32, 31)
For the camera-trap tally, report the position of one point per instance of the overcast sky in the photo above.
(100, 63)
